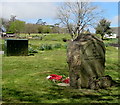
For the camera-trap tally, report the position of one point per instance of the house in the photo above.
(115, 30)
(114, 33)
(2, 31)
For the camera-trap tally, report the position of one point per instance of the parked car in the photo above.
(7, 34)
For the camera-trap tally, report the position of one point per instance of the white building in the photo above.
(114, 33)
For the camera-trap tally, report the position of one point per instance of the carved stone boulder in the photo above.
(86, 60)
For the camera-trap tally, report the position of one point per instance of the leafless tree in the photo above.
(76, 16)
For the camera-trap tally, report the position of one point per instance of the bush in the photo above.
(65, 46)
(57, 45)
(51, 47)
(31, 50)
(64, 40)
(46, 47)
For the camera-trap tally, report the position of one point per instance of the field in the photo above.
(24, 77)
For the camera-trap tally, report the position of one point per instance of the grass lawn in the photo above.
(24, 77)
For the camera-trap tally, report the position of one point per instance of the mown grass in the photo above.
(49, 39)
(24, 78)
(112, 65)
(29, 73)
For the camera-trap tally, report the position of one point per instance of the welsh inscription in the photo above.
(94, 53)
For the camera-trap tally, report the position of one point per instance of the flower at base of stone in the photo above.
(54, 77)
(48, 77)
(67, 80)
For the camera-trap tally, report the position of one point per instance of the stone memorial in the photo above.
(86, 60)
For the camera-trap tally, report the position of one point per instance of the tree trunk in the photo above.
(102, 37)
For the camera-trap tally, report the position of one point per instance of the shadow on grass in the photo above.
(12, 95)
(59, 94)
(81, 96)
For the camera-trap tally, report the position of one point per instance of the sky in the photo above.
(33, 10)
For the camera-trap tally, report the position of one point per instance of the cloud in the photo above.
(35, 0)
(30, 10)
(58, 0)
(106, 0)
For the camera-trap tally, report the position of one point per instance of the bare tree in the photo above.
(76, 16)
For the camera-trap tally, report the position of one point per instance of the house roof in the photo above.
(115, 30)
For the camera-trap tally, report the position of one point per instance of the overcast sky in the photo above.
(32, 11)
(29, 11)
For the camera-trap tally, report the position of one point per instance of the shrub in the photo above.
(51, 47)
(65, 46)
(57, 45)
(31, 50)
(46, 47)
(64, 40)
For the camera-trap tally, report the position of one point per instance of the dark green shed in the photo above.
(16, 47)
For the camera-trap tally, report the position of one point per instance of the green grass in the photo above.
(24, 78)
(109, 41)
(50, 39)
(112, 65)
